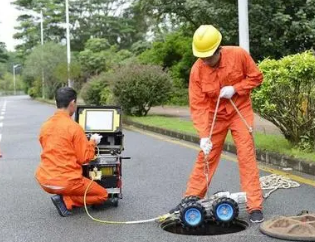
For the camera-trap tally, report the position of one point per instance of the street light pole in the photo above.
(68, 43)
(14, 79)
(14, 87)
(243, 24)
(42, 43)
(41, 27)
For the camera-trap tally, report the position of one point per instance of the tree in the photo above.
(280, 28)
(115, 20)
(277, 28)
(173, 53)
(47, 58)
(287, 97)
(29, 27)
(7, 85)
(98, 56)
(3, 56)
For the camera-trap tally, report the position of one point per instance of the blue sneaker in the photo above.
(60, 205)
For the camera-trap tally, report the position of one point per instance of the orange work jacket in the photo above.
(64, 149)
(237, 69)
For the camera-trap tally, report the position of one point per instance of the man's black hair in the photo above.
(217, 50)
(64, 96)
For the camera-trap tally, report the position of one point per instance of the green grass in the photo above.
(268, 142)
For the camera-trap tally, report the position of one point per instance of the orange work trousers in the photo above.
(73, 191)
(249, 173)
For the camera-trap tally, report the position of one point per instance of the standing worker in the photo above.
(65, 148)
(226, 72)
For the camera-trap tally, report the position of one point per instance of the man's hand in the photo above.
(97, 138)
(205, 145)
(227, 92)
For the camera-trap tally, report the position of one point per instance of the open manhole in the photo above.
(297, 228)
(209, 228)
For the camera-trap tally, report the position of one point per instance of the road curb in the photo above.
(263, 156)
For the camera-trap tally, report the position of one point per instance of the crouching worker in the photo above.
(65, 148)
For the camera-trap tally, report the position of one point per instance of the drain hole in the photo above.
(209, 228)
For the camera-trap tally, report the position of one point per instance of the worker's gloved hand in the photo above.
(227, 92)
(205, 145)
(97, 138)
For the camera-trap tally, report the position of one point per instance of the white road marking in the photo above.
(1, 117)
(4, 106)
(0, 137)
(1, 124)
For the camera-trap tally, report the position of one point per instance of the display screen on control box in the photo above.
(99, 120)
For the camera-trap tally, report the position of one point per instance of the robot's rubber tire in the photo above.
(190, 199)
(231, 210)
(192, 215)
(115, 202)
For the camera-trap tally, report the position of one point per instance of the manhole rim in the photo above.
(239, 222)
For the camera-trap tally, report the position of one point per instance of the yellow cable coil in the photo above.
(157, 219)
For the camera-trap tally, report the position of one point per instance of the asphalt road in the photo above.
(154, 180)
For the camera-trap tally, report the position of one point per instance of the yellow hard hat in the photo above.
(205, 41)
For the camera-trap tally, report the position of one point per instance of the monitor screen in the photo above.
(99, 120)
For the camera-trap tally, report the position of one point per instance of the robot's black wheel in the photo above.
(225, 210)
(189, 199)
(192, 215)
(115, 201)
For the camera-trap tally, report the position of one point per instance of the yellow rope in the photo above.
(157, 219)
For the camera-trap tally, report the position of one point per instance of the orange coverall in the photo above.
(236, 68)
(65, 149)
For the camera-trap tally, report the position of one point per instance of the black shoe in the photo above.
(256, 216)
(60, 205)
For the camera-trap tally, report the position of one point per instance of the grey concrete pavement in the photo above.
(261, 125)
(154, 180)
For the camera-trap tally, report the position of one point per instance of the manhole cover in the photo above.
(209, 228)
(298, 228)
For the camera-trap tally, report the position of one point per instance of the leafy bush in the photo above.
(91, 91)
(139, 87)
(287, 97)
(35, 90)
(175, 54)
(98, 56)
(107, 97)
(32, 92)
(179, 94)
(179, 97)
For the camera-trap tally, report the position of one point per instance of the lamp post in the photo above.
(14, 79)
(41, 27)
(243, 24)
(42, 43)
(68, 43)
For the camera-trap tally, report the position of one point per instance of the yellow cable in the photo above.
(157, 219)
